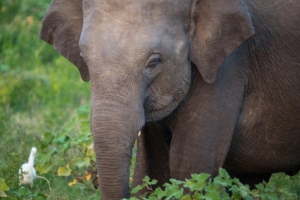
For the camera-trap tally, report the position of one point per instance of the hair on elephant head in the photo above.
(139, 56)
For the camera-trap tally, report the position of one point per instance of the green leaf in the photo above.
(194, 186)
(81, 162)
(83, 138)
(151, 182)
(178, 194)
(198, 196)
(61, 139)
(197, 182)
(212, 187)
(223, 182)
(44, 168)
(176, 182)
(212, 195)
(24, 191)
(236, 182)
(136, 189)
(244, 191)
(65, 147)
(64, 171)
(200, 177)
(186, 197)
(87, 161)
(3, 185)
(47, 139)
(146, 179)
(43, 158)
(260, 186)
(223, 173)
(157, 194)
(272, 196)
(174, 192)
(224, 195)
(234, 189)
(52, 150)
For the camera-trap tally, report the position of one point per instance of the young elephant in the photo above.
(210, 83)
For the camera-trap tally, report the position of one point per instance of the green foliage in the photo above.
(37, 96)
(201, 186)
(70, 152)
(280, 186)
(9, 184)
(25, 193)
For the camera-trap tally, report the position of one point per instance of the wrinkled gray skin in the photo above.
(210, 83)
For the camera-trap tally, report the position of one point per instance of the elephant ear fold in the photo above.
(61, 28)
(219, 27)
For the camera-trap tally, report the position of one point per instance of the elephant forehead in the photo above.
(120, 20)
(137, 10)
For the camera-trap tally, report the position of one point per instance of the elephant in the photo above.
(208, 83)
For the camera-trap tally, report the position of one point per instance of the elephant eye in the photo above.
(153, 61)
(152, 65)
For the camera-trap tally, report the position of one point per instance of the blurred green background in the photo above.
(40, 92)
(38, 88)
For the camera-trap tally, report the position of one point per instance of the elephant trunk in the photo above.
(115, 121)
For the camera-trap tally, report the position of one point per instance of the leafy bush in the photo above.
(201, 186)
(68, 156)
(71, 152)
(36, 97)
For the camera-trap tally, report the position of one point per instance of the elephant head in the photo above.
(138, 57)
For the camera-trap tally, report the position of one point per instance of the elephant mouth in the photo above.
(158, 108)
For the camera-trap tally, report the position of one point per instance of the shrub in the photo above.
(201, 186)
(71, 152)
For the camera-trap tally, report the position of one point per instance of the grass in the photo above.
(37, 95)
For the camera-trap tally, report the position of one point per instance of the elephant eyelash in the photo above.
(152, 66)
(154, 62)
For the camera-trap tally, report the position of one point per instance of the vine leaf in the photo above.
(64, 171)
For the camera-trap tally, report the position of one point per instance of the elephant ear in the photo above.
(219, 27)
(61, 28)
